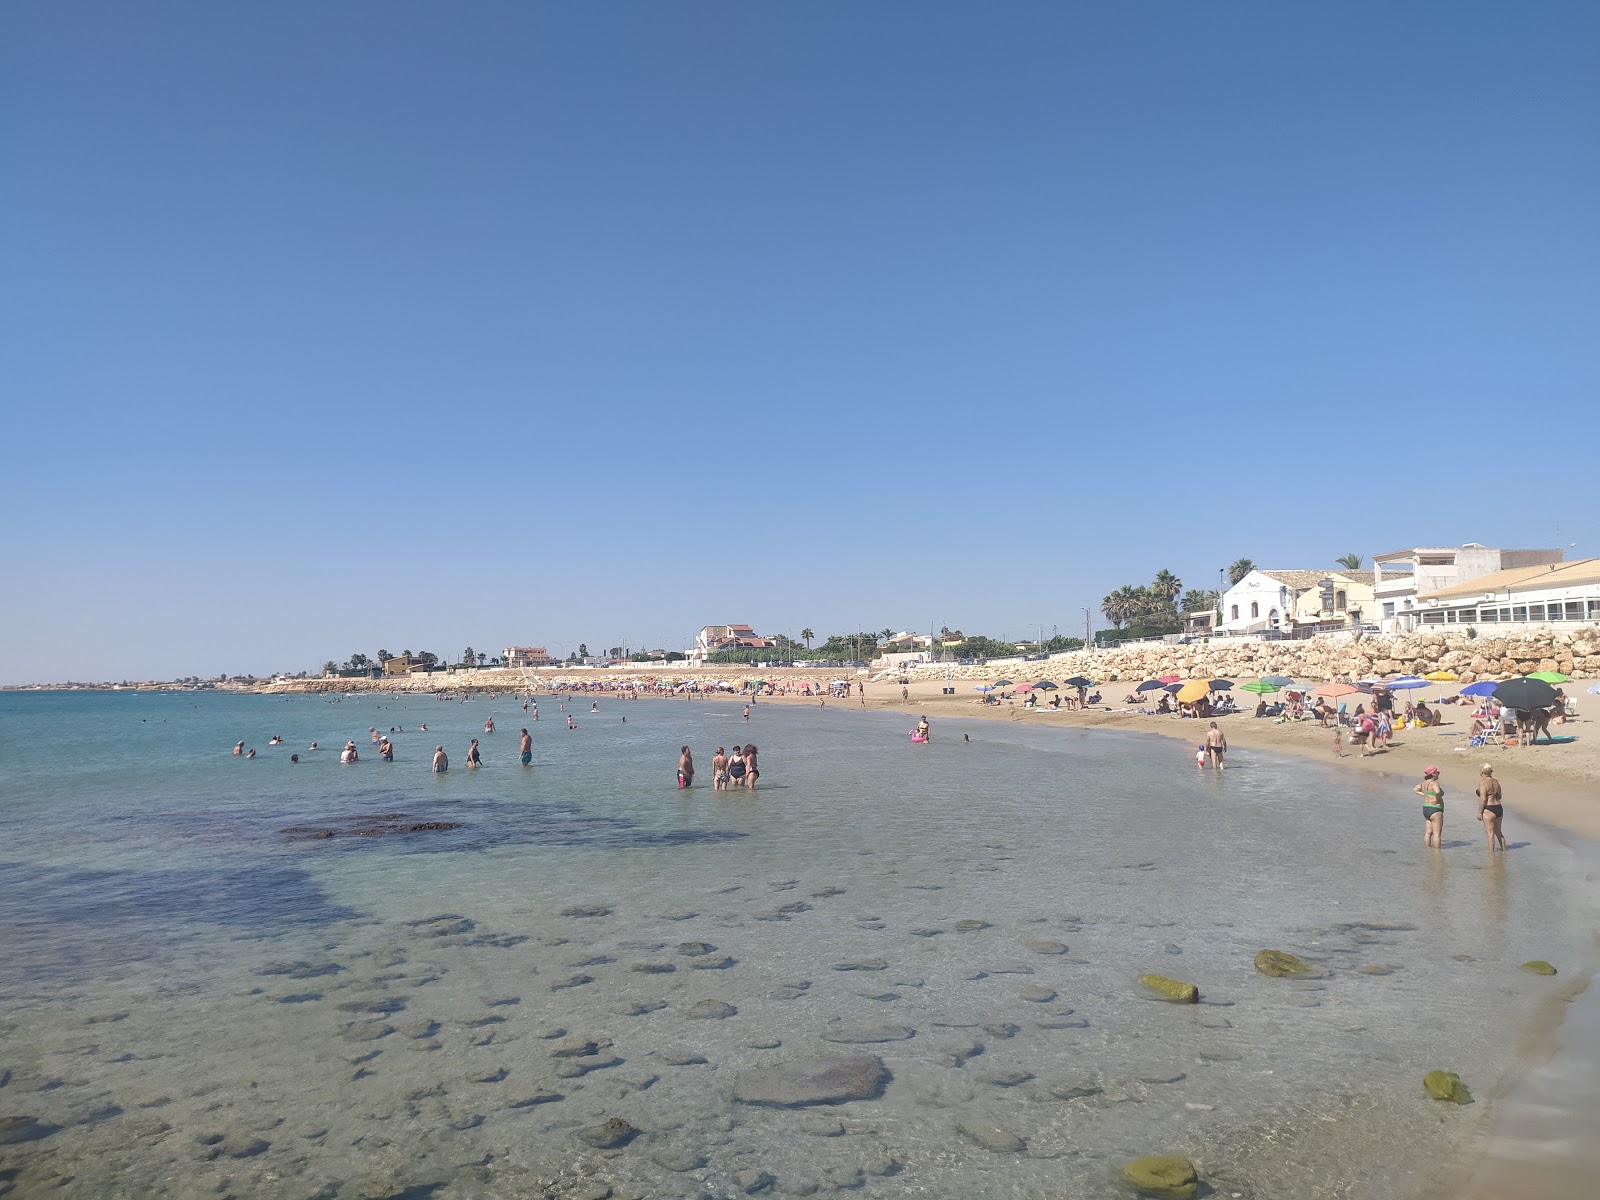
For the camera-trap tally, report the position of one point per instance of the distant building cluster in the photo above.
(526, 656)
(1418, 587)
(714, 638)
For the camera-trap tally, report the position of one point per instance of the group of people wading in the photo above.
(736, 770)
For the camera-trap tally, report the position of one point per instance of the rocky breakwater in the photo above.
(1487, 655)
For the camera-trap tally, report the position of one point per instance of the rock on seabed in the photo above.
(1278, 963)
(1165, 1176)
(1171, 989)
(813, 1081)
(1446, 1086)
(1538, 967)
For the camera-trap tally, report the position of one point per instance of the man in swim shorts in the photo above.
(685, 768)
(525, 748)
(441, 760)
(1216, 745)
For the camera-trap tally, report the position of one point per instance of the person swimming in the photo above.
(238, 748)
(294, 758)
(251, 753)
(276, 741)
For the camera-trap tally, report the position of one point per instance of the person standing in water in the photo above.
(238, 748)
(1432, 793)
(923, 728)
(719, 771)
(1490, 809)
(525, 749)
(746, 717)
(441, 760)
(1216, 745)
(752, 770)
(386, 750)
(737, 768)
(473, 758)
(488, 725)
(685, 768)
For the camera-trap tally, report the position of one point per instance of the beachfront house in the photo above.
(1402, 577)
(713, 638)
(1289, 602)
(1548, 593)
(526, 656)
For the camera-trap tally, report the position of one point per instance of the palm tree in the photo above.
(1167, 586)
(1350, 562)
(481, 657)
(1240, 569)
(807, 635)
(384, 656)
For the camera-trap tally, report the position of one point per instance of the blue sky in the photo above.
(332, 327)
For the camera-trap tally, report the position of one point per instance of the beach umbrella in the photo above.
(983, 687)
(1261, 687)
(1078, 681)
(1525, 692)
(1551, 677)
(1405, 683)
(1484, 687)
(1151, 685)
(1171, 678)
(1441, 677)
(1027, 687)
(1219, 685)
(1002, 683)
(1595, 690)
(1278, 680)
(1044, 685)
(1335, 690)
(1196, 689)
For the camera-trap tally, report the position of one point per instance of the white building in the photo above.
(1546, 593)
(1264, 600)
(1402, 577)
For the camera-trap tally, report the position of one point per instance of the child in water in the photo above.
(1200, 756)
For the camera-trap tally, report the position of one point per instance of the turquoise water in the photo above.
(197, 1003)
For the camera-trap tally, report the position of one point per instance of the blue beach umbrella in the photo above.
(1150, 685)
(1282, 681)
(983, 687)
(1405, 683)
(1484, 687)
(1220, 685)
(1595, 690)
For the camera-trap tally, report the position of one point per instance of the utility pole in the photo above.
(1086, 624)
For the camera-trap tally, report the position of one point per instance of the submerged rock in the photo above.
(607, 1135)
(971, 926)
(991, 1137)
(813, 1081)
(1171, 989)
(1446, 1086)
(858, 1034)
(1164, 1176)
(1044, 946)
(1538, 967)
(1279, 963)
(710, 1010)
(15, 1130)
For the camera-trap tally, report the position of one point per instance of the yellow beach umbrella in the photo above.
(1442, 676)
(1195, 689)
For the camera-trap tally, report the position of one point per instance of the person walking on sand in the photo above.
(441, 760)
(473, 760)
(905, 695)
(685, 768)
(1216, 746)
(1338, 741)
(1490, 809)
(525, 749)
(1432, 793)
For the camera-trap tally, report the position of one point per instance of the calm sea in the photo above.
(195, 1002)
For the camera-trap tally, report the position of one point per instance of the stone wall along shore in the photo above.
(1487, 656)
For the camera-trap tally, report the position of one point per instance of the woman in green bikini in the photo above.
(1432, 793)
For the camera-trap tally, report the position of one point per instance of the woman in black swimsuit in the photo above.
(750, 762)
(737, 768)
(1490, 811)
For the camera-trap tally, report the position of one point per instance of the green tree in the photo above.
(806, 635)
(358, 661)
(384, 656)
(583, 649)
(1350, 562)
(1199, 600)
(428, 659)
(1240, 569)
(405, 654)
(1167, 586)
(481, 657)
(468, 657)
(330, 667)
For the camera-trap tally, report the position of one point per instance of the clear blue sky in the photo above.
(332, 327)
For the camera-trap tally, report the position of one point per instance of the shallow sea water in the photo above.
(193, 1002)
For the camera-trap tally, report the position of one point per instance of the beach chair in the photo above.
(1493, 734)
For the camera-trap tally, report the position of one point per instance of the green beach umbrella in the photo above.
(1002, 683)
(1260, 687)
(1551, 676)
